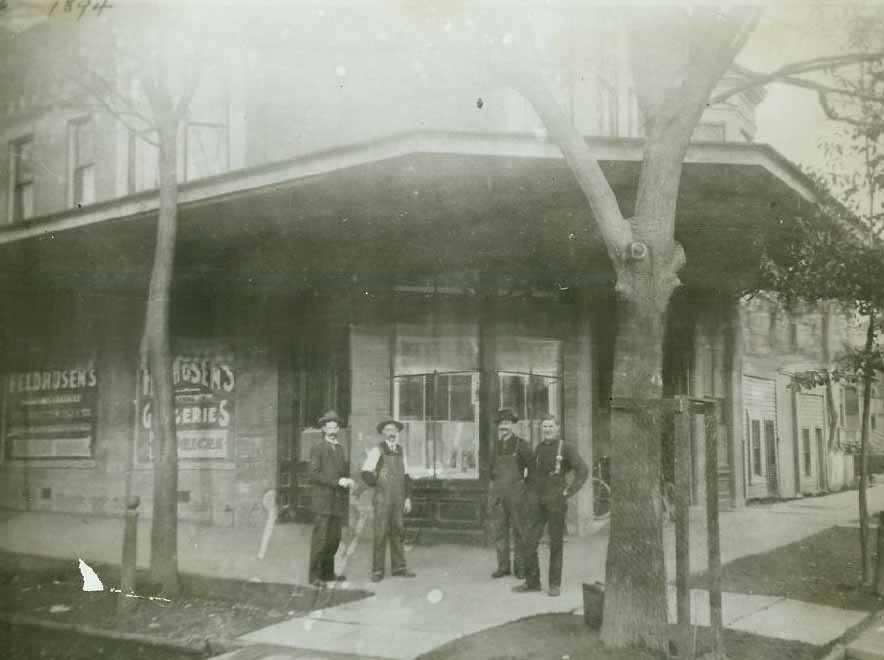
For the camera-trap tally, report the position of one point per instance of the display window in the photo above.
(436, 396)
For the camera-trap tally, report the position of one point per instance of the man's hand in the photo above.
(346, 482)
(407, 506)
(566, 493)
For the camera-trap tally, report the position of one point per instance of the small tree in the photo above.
(141, 65)
(831, 257)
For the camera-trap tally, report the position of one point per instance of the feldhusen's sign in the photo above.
(50, 412)
(205, 394)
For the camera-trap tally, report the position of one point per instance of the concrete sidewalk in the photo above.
(453, 594)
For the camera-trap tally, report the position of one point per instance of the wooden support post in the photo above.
(879, 564)
(682, 446)
(128, 565)
(712, 529)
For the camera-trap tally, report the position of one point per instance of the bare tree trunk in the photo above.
(864, 536)
(635, 593)
(164, 447)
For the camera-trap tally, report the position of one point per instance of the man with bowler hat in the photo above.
(330, 476)
(511, 456)
(546, 503)
(386, 469)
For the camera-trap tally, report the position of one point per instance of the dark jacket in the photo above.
(512, 457)
(328, 463)
(544, 482)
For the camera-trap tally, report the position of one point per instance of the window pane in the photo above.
(411, 397)
(462, 408)
(526, 355)
(146, 164)
(22, 160)
(84, 185)
(206, 151)
(805, 450)
(512, 394)
(756, 447)
(538, 397)
(84, 145)
(445, 348)
(23, 202)
(439, 397)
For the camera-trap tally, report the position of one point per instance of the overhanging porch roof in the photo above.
(414, 202)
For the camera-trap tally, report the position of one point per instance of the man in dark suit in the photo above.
(330, 476)
(546, 503)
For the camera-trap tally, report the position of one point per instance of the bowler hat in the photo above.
(508, 415)
(329, 416)
(398, 425)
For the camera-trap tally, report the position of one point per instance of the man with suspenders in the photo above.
(546, 503)
(386, 469)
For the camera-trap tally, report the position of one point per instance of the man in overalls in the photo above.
(386, 469)
(511, 456)
(546, 503)
(330, 476)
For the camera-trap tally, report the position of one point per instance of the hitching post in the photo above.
(130, 553)
(682, 446)
(712, 530)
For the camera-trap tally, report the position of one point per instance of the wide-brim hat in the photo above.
(397, 424)
(505, 414)
(329, 416)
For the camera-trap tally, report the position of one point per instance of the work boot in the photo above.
(500, 572)
(377, 577)
(525, 588)
(554, 591)
(404, 573)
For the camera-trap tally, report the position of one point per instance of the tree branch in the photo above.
(615, 230)
(805, 66)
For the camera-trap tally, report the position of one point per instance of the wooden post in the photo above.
(712, 530)
(128, 565)
(879, 565)
(682, 446)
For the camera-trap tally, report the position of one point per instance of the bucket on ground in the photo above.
(593, 604)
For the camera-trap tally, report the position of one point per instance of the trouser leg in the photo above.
(333, 540)
(396, 535)
(556, 542)
(500, 527)
(381, 528)
(514, 521)
(532, 530)
(318, 542)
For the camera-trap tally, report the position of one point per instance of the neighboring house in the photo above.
(375, 243)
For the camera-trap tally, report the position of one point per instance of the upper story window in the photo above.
(21, 178)
(205, 150)
(81, 161)
(636, 123)
(608, 108)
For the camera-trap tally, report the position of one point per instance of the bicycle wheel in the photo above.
(601, 499)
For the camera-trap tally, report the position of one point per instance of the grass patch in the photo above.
(208, 608)
(560, 635)
(824, 569)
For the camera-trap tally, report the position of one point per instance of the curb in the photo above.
(209, 646)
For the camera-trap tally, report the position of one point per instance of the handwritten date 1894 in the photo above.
(68, 6)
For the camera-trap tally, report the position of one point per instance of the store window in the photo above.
(436, 396)
(22, 178)
(81, 161)
(529, 378)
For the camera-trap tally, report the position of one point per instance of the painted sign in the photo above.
(205, 394)
(51, 412)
